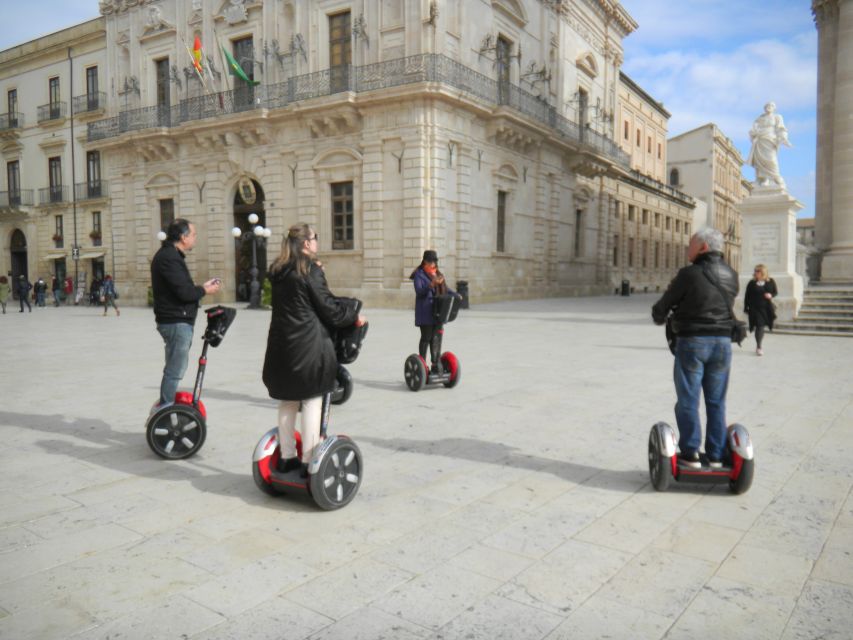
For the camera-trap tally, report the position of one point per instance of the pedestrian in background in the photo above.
(758, 304)
(40, 291)
(5, 290)
(23, 286)
(55, 288)
(68, 289)
(109, 295)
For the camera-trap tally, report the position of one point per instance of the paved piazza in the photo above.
(515, 506)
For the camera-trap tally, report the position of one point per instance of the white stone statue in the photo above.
(768, 133)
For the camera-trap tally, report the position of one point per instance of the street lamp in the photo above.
(257, 236)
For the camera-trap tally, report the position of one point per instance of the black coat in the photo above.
(300, 361)
(176, 297)
(760, 310)
(700, 309)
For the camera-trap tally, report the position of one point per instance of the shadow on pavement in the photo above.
(129, 453)
(499, 454)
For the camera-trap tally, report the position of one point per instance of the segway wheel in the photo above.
(743, 481)
(660, 466)
(176, 431)
(265, 459)
(415, 372)
(343, 391)
(338, 477)
(450, 363)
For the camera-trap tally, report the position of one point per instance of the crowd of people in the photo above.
(101, 292)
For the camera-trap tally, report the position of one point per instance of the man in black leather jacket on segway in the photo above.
(700, 297)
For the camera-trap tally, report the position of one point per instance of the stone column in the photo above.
(770, 238)
(838, 261)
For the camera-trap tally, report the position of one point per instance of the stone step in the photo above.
(812, 332)
(827, 295)
(806, 326)
(824, 320)
(827, 304)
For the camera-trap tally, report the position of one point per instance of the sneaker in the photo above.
(690, 459)
(715, 463)
(303, 471)
(759, 352)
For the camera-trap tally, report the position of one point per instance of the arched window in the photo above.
(674, 178)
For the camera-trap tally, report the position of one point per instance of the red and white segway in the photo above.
(417, 373)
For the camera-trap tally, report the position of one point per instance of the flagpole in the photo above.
(192, 57)
(222, 61)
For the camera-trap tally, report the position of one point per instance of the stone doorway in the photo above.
(243, 252)
(18, 249)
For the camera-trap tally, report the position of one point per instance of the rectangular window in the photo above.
(501, 237)
(92, 89)
(616, 250)
(617, 206)
(343, 224)
(678, 226)
(340, 51)
(54, 173)
(53, 93)
(627, 131)
(93, 174)
(630, 252)
(632, 211)
(668, 223)
(660, 151)
(12, 107)
(58, 235)
(649, 144)
(645, 216)
(95, 233)
(657, 220)
(645, 253)
(244, 54)
(687, 228)
(13, 180)
(503, 53)
(657, 255)
(167, 213)
(666, 251)
(639, 138)
(161, 69)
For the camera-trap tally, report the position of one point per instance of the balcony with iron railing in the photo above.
(52, 111)
(423, 68)
(89, 103)
(660, 186)
(11, 121)
(91, 190)
(16, 199)
(53, 195)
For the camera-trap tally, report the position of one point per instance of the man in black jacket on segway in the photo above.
(176, 302)
(701, 297)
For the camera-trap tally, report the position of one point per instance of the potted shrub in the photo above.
(95, 234)
(57, 237)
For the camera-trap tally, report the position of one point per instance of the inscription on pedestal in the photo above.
(765, 243)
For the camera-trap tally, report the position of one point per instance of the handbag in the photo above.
(671, 336)
(739, 328)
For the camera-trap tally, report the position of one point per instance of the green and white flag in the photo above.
(236, 70)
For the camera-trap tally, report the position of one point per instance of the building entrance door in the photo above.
(19, 259)
(243, 253)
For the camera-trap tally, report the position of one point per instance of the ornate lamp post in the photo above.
(257, 236)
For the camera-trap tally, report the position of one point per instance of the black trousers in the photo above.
(431, 337)
(759, 335)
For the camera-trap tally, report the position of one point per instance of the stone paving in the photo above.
(516, 505)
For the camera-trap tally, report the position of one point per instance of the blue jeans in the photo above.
(178, 337)
(702, 363)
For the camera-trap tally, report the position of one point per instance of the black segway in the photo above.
(347, 347)
(738, 465)
(416, 371)
(178, 430)
(335, 471)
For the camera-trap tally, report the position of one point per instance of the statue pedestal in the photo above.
(770, 238)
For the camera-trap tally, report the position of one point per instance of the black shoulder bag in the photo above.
(739, 329)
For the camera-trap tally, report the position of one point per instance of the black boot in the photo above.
(285, 465)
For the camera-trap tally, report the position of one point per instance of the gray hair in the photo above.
(711, 237)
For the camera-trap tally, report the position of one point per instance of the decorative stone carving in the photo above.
(768, 133)
(154, 22)
(343, 121)
(236, 12)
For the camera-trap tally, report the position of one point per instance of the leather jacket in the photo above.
(176, 297)
(698, 307)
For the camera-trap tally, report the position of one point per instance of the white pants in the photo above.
(312, 410)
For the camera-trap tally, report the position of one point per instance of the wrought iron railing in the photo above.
(53, 195)
(15, 199)
(89, 102)
(660, 186)
(14, 120)
(52, 111)
(434, 68)
(91, 190)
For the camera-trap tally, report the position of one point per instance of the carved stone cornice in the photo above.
(824, 11)
(345, 120)
(506, 135)
(111, 7)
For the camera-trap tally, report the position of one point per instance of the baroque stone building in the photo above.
(705, 163)
(482, 129)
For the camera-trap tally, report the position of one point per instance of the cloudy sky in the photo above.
(706, 60)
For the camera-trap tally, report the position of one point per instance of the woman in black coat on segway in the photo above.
(758, 304)
(300, 364)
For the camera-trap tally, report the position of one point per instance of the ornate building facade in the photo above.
(484, 130)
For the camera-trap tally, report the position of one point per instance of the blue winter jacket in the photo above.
(424, 297)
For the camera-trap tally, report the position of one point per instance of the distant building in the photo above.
(806, 232)
(706, 164)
